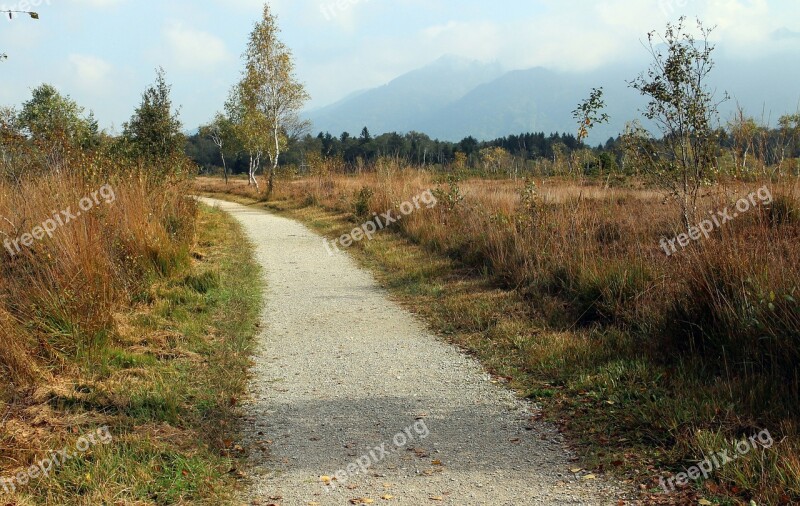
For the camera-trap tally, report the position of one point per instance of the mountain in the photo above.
(454, 98)
(399, 104)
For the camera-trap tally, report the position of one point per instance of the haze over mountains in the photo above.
(453, 98)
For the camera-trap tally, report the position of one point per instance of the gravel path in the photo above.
(346, 380)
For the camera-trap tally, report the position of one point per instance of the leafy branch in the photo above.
(33, 15)
(589, 113)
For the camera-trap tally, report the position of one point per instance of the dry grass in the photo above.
(127, 316)
(59, 295)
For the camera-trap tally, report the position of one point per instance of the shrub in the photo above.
(361, 207)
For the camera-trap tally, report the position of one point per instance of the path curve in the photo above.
(345, 377)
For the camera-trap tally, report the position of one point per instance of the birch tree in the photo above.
(248, 126)
(270, 87)
(220, 131)
(683, 108)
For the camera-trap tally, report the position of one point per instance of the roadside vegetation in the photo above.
(126, 311)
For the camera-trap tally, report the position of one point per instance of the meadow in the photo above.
(562, 287)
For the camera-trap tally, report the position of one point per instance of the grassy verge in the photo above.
(625, 412)
(166, 386)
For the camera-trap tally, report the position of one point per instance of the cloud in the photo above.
(90, 73)
(193, 49)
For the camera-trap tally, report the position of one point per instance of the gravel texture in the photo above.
(344, 376)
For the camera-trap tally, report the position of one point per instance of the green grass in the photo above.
(167, 387)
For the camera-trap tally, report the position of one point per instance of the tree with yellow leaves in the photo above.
(270, 90)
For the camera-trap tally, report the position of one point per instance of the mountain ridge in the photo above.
(453, 98)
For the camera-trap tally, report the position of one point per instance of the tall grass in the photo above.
(58, 296)
(596, 253)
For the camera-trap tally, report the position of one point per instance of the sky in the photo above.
(103, 53)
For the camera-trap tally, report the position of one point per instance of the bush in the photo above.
(361, 207)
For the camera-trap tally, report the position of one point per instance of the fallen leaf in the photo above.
(421, 452)
(361, 500)
(575, 470)
(387, 497)
(437, 462)
(325, 479)
(436, 498)
(704, 502)
(590, 477)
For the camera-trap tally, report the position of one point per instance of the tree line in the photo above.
(743, 139)
(50, 130)
(364, 150)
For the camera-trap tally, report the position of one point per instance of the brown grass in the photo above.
(59, 295)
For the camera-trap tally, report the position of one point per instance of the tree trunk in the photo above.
(254, 162)
(274, 167)
(271, 182)
(224, 168)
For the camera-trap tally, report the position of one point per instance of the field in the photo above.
(564, 289)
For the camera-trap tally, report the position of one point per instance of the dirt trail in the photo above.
(345, 377)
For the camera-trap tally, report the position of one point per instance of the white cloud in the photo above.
(193, 49)
(90, 73)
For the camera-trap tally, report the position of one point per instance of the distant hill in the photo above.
(453, 98)
(400, 104)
